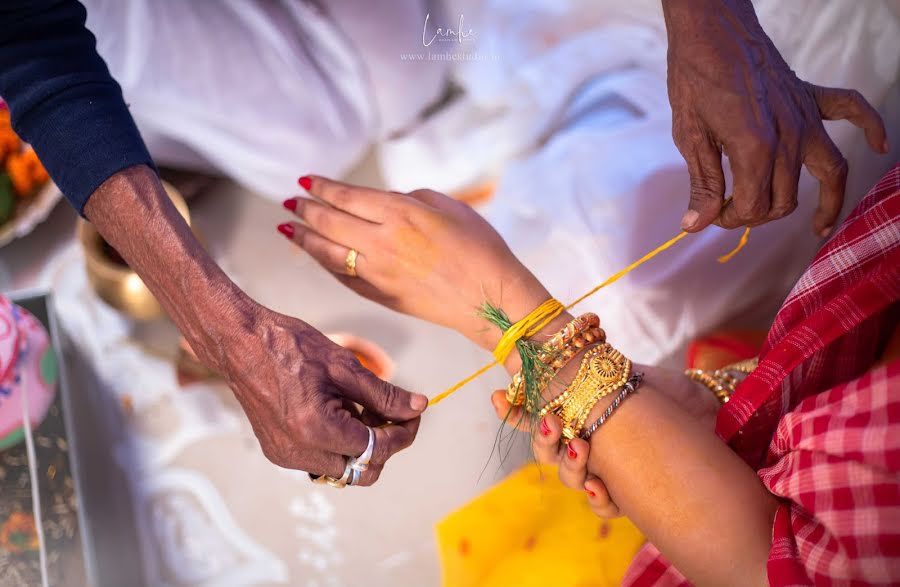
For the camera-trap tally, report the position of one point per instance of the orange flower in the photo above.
(9, 143)
(26, 172)
(19, 533)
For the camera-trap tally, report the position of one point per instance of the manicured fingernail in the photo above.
(545, 428)
(570, 452)
(286, 229)
(689, 219)
(418, 402)
(825, 232)
(590, 493)
(305, 182)
(290, 204)
(885, 147)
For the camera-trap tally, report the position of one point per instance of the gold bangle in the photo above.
(721, 382)
(603, 370)
(554, 363)
(558, 351)
(576, 381)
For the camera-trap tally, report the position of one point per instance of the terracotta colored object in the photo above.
(27, 365)
(368, 353)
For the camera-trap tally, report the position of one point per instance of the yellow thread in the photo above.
(540, 316)
(727, 257)
(630, 268)
(543, 314)
(474, 375)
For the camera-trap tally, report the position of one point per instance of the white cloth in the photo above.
(265, 91)
(568, 108)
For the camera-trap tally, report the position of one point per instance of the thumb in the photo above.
(388, 401)
(704, 163)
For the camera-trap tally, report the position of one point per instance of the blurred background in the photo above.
(549, 117)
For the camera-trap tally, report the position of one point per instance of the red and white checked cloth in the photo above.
(817, 422)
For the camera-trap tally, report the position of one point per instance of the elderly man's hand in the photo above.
(732, 92)
(299, 390)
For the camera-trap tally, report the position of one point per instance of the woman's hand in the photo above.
(421, 253)
(572, 461)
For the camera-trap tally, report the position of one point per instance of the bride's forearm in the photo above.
(686, 490)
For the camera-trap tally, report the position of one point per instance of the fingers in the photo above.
(380, 397)
(599, 500)
(335, 225)
(752, 161)
(573, 466)
(392, 438)
(704, 163)
(512, 416)
(841, 104)
(545, 444)
(785, 178)
(366, 203)
(825, 163)
(327, 253)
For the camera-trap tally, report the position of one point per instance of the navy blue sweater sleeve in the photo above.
(62, 98)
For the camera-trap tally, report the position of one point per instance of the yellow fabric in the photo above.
(531, 531)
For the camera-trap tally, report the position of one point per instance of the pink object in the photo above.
(27, 365)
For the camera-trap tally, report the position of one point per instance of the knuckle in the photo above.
(752, 208)
(386, 395)
(706, 186)
(760, 148)
(855, 99)
(782, 210)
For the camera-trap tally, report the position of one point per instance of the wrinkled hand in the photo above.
(732, 92)
(422, 253)
(299, 392)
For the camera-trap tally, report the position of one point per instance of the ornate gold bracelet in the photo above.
(603, 370)
(558, 351)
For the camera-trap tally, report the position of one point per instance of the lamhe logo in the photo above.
(459, 35)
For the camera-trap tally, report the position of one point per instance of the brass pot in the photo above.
(116, 283)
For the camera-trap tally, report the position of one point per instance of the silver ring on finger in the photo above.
(354, 477)
(361, 463)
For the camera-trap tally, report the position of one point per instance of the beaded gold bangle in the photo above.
(721, 388)
(554, 363)
(558, 351)
(721, 381)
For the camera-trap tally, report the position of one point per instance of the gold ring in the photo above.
(350, 262)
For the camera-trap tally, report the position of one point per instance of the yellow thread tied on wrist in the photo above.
(527, 327)
(546, 312)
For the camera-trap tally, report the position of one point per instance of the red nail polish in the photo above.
(305, 182)
(590, 493)
(290, 204)
(545, 429)
(286, 229)
(571, 452)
